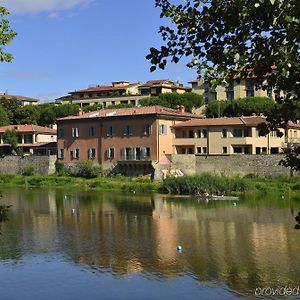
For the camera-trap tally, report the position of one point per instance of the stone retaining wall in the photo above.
(262, 165)
(43, 165)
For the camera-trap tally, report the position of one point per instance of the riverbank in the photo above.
(186, 185)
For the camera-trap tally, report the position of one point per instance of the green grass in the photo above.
(187, 185)
(119, 183)
(216, 184)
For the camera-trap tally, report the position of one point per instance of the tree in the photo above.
(240, 107)
(4, 120)
(6, 35)
(172, 100)
(28, 114)
(237, 38)
(65, 110)
(11, 107)
(10, 137)
(47, 115)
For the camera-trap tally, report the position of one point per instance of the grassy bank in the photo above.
(187, 185)
(117, 183)
(214, 184)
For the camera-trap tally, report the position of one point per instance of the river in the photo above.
(102, 245)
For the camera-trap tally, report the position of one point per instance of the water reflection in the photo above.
(245, 246)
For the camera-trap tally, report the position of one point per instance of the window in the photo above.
(61, 132)
(81, 95)
(75, 154)
(224, 150)
(147, 129)
(110, 153)
(273, 134)
(75, 132)
(237, 133)
(264, 150)
(148, 152)
(246, 132)
(237, 150)
(274, 150)
(92, 131)
(127, 153)
(127, 130)
(199, 150)
(90, 95)
(198, 133)
(249, 87)
(224, 133)
(191, 134)
(230, 90)
(91, 153)
(204, 150)
(162, 129)
(110, 131)
(204, 133)
(60, 153)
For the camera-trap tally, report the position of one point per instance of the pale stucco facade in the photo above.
(211, 137)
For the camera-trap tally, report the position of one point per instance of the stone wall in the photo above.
(262, 165)
(43, 165)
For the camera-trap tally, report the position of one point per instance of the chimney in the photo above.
(181, 108)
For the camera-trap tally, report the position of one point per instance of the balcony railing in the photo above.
(132, 157)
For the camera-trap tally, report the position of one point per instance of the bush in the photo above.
(192, 185)
(88, 170)
(28, 170)
(60, 169)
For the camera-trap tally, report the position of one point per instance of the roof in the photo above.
(164, 83)
(103, 88)
(247, 121)
(20, 98)
(137, 111)
(28, 128)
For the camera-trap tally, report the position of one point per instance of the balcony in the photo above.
(135, 158)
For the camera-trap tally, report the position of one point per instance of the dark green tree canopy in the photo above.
(10, 137)
(6, 35)
(240, 107)
(172, 100)
(259, 37)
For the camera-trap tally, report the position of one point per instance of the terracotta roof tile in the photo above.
(248, 121)
(105, 88)
(146, 110)
(21, 98)
(28, 128)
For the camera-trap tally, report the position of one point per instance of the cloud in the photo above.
(42, 6)
(27, 75)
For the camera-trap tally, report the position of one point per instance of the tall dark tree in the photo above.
(225, 38)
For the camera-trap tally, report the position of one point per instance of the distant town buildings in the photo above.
(23, 99)
(122, 92)
(32, 139)
(233, 90)
(226, 136)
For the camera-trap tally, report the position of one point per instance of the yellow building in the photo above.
(233, 90)
(227, 136)
(24, 100)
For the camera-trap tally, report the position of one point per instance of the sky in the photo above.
(66, 45)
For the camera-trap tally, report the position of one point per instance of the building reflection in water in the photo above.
(252, 244)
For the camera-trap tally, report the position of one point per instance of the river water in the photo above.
(91, 245)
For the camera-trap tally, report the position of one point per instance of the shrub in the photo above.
(88, 170)
(60, 168)
(28, 170)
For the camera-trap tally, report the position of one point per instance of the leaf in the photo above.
(153, 68)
